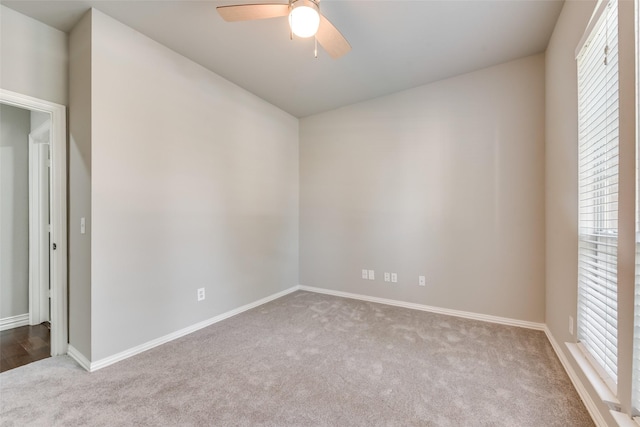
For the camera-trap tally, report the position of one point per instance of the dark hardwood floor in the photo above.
(23, 345)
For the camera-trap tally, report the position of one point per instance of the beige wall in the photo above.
(193, 183)
(34, 57)
(562, 175)
(445, 180)
(15, 126)
(562, 168)
(80, 113)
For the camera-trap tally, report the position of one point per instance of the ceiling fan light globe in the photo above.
(304, 21)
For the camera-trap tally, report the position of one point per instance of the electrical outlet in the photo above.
(394, 278)
(571, 325)
(372, 275)
(200, 294)
(422, 281)
(387, 277)
(365, 274)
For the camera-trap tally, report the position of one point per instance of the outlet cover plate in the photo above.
(571, 325)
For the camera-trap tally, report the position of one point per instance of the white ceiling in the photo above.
(397, 44)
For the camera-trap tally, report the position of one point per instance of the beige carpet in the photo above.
(308, 359)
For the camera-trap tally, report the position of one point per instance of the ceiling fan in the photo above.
(305, 20)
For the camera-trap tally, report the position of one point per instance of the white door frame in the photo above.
(39, 223)
(58, 211)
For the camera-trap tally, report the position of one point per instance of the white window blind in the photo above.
(598, 194)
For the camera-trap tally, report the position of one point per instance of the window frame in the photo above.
(597, 346)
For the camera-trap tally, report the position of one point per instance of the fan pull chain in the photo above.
(315, 52)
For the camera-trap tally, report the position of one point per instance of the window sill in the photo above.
(623, 420)
(598, 384)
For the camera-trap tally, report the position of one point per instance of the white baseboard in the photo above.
(99, 364)
(431, 309)
(78, 357)
(577, 383)
(14, 321)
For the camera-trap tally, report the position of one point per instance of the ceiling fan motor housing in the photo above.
(309, 3)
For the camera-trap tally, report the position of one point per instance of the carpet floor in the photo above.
(308, 359)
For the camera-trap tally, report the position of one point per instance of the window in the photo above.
(598, 194)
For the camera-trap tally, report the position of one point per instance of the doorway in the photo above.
(33, 228)
(39, 218)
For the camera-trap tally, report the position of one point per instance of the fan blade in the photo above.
(331, 40)
(248, 12)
